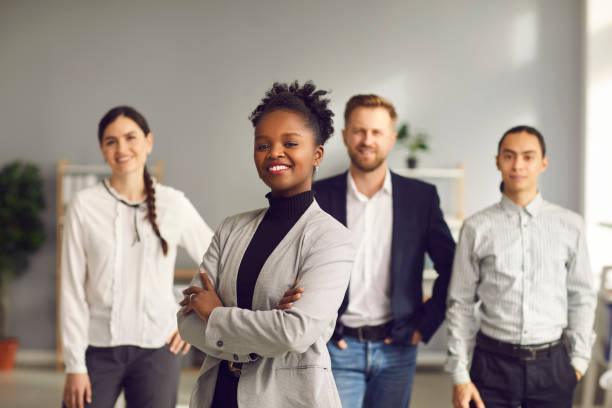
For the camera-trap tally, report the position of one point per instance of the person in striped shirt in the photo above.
(522, 295)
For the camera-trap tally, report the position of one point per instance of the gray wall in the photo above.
(463, 71)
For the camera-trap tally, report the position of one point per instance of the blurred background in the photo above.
(461, 71)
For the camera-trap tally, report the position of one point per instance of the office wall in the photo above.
(598, 128)
(462, 71)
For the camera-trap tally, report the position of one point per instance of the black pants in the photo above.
(149, 377)
(226, 389)
(547, 382)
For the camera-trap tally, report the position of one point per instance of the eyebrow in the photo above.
(506, 150)
(131, 132)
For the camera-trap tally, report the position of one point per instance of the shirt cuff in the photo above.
(76, 368)
(461, 377)
(580, 364)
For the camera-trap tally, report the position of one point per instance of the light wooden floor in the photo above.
(34, 387)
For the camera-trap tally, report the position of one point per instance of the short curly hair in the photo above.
(305, 100)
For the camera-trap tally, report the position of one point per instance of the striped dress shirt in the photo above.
(522, 276)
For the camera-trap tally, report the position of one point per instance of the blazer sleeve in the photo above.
(193, 329)
(441, 250)
(324, 274)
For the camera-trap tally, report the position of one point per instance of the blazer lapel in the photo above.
(229, 269)
(398, 216)
(284, 249)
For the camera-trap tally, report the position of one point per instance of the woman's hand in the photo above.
(201, 300)
(76, 389)
(176, 343)
(291, 295)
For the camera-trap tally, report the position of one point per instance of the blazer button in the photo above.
(219, 343)
(236, 357)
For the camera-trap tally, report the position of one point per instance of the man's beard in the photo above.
(366, 168)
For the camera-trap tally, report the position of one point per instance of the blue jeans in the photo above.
(373, 374)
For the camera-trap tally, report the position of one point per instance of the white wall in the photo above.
(598, 130)
(463, 71)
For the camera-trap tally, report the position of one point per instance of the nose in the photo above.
(517, 163)
(277, 150)
(121, 145)
(368, 139)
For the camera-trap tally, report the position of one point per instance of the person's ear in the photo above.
(344, 136)
(149, 139)
(497, 163)
(318, 156)
(544, 164)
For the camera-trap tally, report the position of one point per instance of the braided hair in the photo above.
(140, 120)
(305, 100)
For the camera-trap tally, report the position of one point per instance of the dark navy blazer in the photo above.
(418, 228)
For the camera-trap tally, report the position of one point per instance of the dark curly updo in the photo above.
(305, 100)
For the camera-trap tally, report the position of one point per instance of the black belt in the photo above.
(529, 352)
(368, 333)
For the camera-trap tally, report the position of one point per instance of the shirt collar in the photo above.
(533, 208)
(118, 197)
(352, 188)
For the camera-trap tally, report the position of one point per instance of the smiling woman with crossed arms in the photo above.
(259, 354)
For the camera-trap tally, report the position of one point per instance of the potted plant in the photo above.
(21, 234)
(413, 143)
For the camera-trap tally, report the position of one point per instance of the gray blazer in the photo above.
(285, 353)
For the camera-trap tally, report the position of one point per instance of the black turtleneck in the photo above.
(276, 223)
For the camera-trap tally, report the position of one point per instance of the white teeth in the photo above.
(277, 168)
(122, 159)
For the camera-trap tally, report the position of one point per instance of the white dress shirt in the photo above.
(371, 221)
(527, 271)
(118, 290)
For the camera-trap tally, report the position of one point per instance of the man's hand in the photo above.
(76, 389)
(292, 295)
(341, 344)
(177, 343)
(201, 300)
(578, 375)
(416, 337)
(464, 393)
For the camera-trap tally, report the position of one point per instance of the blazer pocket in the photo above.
(306, 386)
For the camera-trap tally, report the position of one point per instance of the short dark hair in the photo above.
(305, 100)
(126, 111)
(527, 129)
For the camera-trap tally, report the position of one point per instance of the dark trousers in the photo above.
(226, 389)
(547, 382)
(149, 377)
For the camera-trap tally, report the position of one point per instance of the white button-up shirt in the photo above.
(117, 290)
(371, 221)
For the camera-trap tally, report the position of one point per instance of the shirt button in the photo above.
(219, 343)
(253, 356)
(235, 357)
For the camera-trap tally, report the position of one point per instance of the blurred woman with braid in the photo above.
(120, 240)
